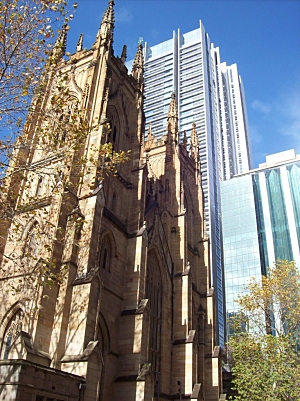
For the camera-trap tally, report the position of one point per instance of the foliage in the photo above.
(27, 29)
(265, 357)
(43, 136)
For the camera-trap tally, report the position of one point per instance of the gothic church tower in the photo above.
(132, 316)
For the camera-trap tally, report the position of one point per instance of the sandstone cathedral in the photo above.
(132, 317)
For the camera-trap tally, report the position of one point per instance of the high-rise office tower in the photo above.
(260, 221)
(237, 157)
(210, 94)
(126, 257)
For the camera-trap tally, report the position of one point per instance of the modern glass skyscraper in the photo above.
(237, 157)
(210, 94)
(260, 220)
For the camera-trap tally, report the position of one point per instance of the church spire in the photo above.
(172, 126)
(109, 15)
(150, 132)
(150, 138)
(194, 143)
(184, 139)
(79, 43)
(173, 113)
(106, 30)
(124, 54)
(138, 65)
(60, 45)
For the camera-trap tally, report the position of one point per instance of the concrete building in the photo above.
(132, 317)
(261, 221)
(211, 95)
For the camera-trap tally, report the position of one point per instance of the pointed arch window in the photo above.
(32, 241)
(39, 187)
(12, 333)
(114, 202)
(86, 95)
(167, 190)
(114, 122)
(105, 253)
(189, 219)
(64, 122)
(154, 296)
(60, 135)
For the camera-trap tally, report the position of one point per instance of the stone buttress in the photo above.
(133, 316)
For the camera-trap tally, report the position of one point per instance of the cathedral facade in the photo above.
(132, 317)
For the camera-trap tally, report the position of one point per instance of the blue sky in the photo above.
(262, 37)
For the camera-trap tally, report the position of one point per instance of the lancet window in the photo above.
(39, 187)
(114, 122)
(167, 190)
(32, 241)
(154, 296)
(64, 123)
(114, 202)
(12, 333)
(105, 253)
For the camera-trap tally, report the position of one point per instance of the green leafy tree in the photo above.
(265, 347)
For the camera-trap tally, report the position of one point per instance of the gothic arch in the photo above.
(188, 198)
(39, 186)
(189, 210)
(114, 201)
(74, 97)
(11, 325)
(104, 348)
(60, 127)
(154, 294)
(114, 136)
(153, 253)
(118, 124)
(86, 92)
(96, 373)
(30, 237)
(71, 102)
(165, 217)
(114, 191)
(28, 227)
(75, 90)
(103, 331)
(106, 251)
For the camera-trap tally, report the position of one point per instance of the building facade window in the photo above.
(114, 202)
(12, 333)
(294, 183)
(32, 241)
(278, 214)
(114, 122)
(105, 253)
(154, 296)
(39, 187)
(64, 123)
